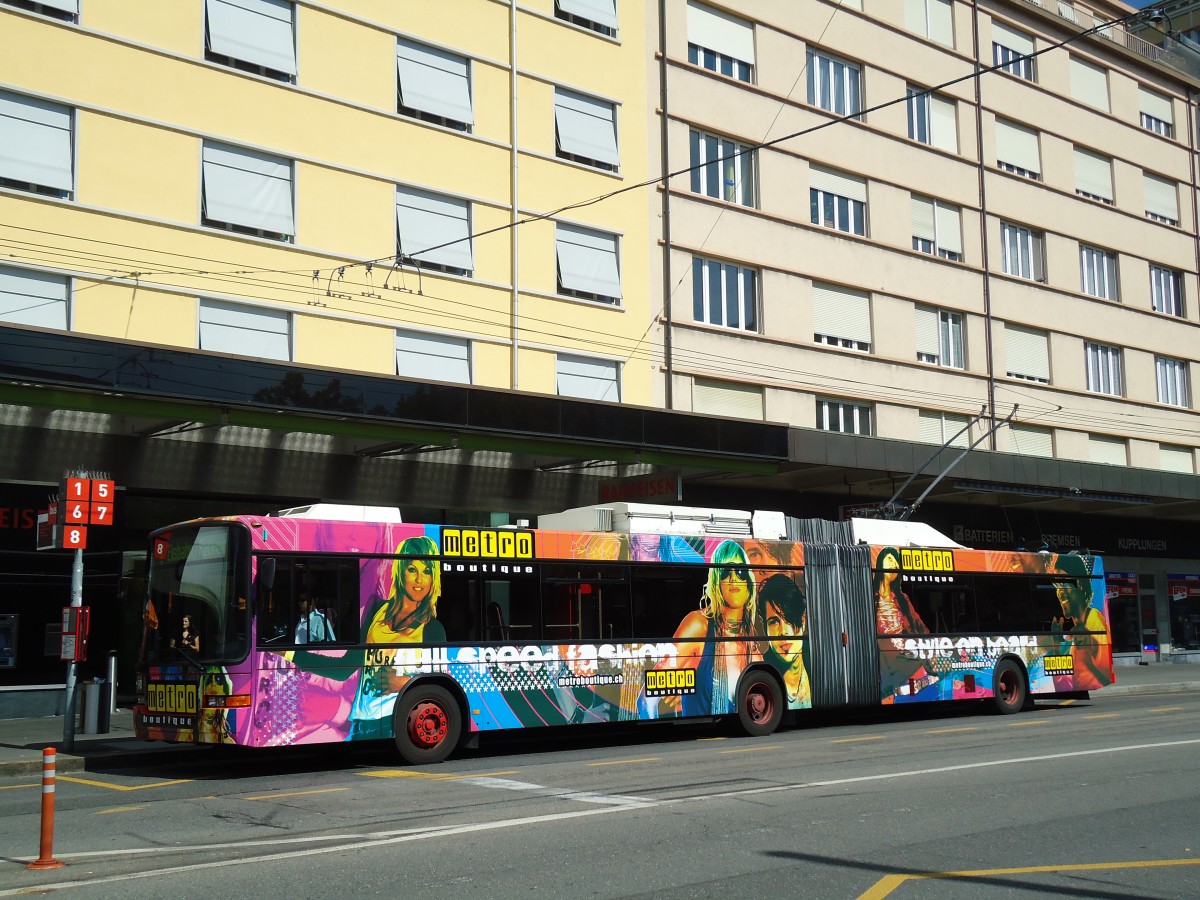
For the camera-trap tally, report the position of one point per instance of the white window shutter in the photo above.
(1162, 197)
(245, 330)
(427, 220)
(717, 398)
(1028, 352)
(587, 261)
(434, 81)
(432, 357)
(33, 298)
(250, 189)
(1018, 146)
(841, 313)
(1093, 173)
(720, 32)
(585, 126)
(588, 379)
(1089, 83)
(253, 31)
(602, 12)
(35, 142)
(838, 183)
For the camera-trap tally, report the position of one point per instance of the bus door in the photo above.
(843, 660)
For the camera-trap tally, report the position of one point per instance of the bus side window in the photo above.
(516, 598)
(1005, 604)
(459, 608)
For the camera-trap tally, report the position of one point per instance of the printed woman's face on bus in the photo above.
(735, 586)
(890, 568)
(789, 645)
(418, 579)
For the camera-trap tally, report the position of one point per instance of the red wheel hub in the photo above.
(427, 724)
(758, 704)
(1008, 687)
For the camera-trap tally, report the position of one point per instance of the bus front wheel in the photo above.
(427, 724)
(759, 704)
(1009, 689)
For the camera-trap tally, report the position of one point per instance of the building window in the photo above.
(722, 168)
(245, 330)
(1166, 291)
(720, 42)
(1156, 112)
(1098, 272)
(433, 231)
(588, 264)
(1089, 84)
(585, 130)
(598, 15)
(937, 228)
(1011, 51)
(433, 357)
(947, 429)
(1172, 378)
(940, 337)
(63, 10)
(36, 146)
(33, 298)
(247, 192)
(837, 200)
(1027, 353)
(1022, 252)
(930, 18)
(724, 294)
(588, 378)
(1109, 451)
(932, 120)
(848, 418)
(1030, 440)
(256, 36)
(1017, 150)
(1104, 370)
(841, 317)
(1093, 176)
(731, 401)
(433, 85)
(834, 84)
(1162, 199)
(1176, 459)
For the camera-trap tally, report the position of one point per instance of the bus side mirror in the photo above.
(266, 573)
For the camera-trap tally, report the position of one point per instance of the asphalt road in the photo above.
(1095, 799)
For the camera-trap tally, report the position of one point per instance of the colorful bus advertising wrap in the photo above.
(553, 628)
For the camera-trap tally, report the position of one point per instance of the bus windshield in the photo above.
(196, 608)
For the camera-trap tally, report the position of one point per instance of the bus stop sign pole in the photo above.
(76, 602)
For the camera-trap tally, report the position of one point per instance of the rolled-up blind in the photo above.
(1017, 146)
(719, 398)
(841, 313)
(1012, 39)
(838, 183)
(1093, 173)
(1028, 352)
(1089, 83)
(1162, 197)
(720, 32)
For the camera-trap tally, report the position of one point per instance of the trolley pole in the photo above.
(76, 601)
(46, 858)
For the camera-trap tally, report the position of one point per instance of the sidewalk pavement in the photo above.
(22, 740)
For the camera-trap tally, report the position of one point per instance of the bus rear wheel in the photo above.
(759, 704)
(427, 724)
(1009, 689)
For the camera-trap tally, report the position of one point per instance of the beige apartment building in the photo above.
(867, 239)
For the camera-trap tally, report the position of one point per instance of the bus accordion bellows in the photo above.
(339, 624)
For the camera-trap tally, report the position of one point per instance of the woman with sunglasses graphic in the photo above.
(717, 639)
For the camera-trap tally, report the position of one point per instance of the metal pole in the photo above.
(76, 601)
(112, 682)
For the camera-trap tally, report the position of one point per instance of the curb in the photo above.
(1178, 687)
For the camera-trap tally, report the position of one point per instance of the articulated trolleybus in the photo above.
(324, 624)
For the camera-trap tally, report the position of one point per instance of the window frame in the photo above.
(1014, 62)
(950, 338)
(937, 246)
(262, 160)
(580, 17)
(591, 241)
(1160, 297)
(428, 207)
(747, 307)
(1104, 369)
(437, 115)
(1030, 260)
(573, 104)
(1099, 275)
(705, 170)
(42, 121)
(593, 361)
(840, 86)
(1172, 381)
(724, 61)
(848, 413)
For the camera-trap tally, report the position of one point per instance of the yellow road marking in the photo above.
(753, 749)
(1167, 709)
(431, 776)
(13, 787)
(718, 738)
(122, 787)
(889, 883)
(622, 762)
(1103, 716)
(297, 793)
(951, 730)
(1068, 702)
(874, 737)
(1030, 722)
(116, 809)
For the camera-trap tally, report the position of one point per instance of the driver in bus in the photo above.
(313, 626)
